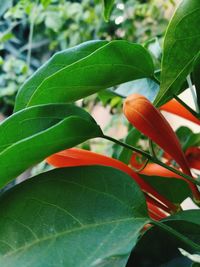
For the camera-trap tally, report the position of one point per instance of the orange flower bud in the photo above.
(147, 119)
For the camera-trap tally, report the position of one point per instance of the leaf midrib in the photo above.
(77, 229)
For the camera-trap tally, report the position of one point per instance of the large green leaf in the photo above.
(181, 47)
(112, 64)
(59, 61)
(108, 5)
(30, 135)
(83, 216)
(151, 251)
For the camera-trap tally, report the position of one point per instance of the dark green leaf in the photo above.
(181, 47)
(145, 87)
(108, 5)
(188, 138)
(176, 190)
(29, 136)
(70, 217)
(59, 61)
(151, 251)
(114, 63)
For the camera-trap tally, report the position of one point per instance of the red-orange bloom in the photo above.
(153, 169)
(147, 119)
(176, 108)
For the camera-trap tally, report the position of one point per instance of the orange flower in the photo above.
(153, 169)
(79, 157)
(147, 119)
(176, 108)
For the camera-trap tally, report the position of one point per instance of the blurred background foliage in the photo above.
(32, 30)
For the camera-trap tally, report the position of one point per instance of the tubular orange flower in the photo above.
(153, 169)
(176, 108)
(80, 157)
(147, 119)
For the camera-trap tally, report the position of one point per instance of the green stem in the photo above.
(149, 157)
(141, 168)
(151, 148)
(155, 80)
(179, 236)
(187, 107)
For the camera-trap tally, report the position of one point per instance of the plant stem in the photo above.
(151, 148)
(149, 157)
(155, 80)
(142, 167)
(179, 236)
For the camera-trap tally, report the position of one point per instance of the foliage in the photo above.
(31, 31)
(97, 210)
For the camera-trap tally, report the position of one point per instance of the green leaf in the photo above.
(108, 5)
(29, 136)
(112, 64)
(56, 63)
(188, 138)
(151, 251)
(146, 87)
(176, 190)
(181, 47)
(70, 217)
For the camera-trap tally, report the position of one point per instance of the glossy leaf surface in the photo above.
(59, 61)
(70, 217)
(181, 47)
(29, 136)
(114, 63)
